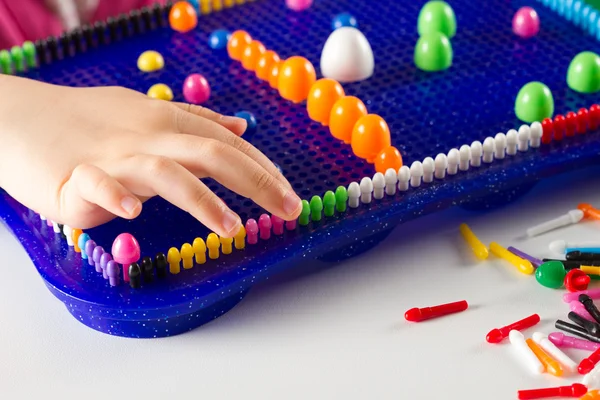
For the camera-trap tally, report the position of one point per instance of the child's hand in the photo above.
(81, 156)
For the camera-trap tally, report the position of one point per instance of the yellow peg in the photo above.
(239, 239)
(173, 258)
(552, 366)
(213, 243)
(205, 7)
(522, 265)
(590, 270)
(481, 252)
(228, 3)
(226, 245)
(187, 253)
(199, 250)
(217, 5)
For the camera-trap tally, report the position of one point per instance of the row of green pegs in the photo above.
(18, 58)
(328, 205)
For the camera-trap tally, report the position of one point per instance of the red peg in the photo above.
(251, 231)
(559, 127)
(290, 225)
(548, 130)
(498, 334)
(575, 390)
(576, 280)
(264, 225)
(583, 120)
(277, 225)
(571, 124)
(588, 363)
(594, 117)
(421, 314)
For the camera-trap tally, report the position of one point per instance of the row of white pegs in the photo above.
(493, 148)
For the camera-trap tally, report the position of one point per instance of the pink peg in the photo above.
(577, 307)
(277, 225)
(561, 340)
(264, 224)
(593, 293)
(251, 231)
(125, 250)
(290, 225)
(48, 222)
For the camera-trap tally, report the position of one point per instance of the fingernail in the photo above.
(129, 204)
(230, 221)
(232, 120)
(291, 203)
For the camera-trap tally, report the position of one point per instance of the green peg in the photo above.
(29, 52)
(551, 274)
(329, 203)
(341, 198)
(316, 208)
(18, 58)
(5, 62)
(304, 218)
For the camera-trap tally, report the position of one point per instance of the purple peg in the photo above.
(277, 225)
(106, 257)
(264, 226)
(112, 270)
(251, 231)
(90, 245)
(535, 261)
(290, 225)
(96, 255)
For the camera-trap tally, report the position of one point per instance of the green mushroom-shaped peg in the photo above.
(437, 16)
(304, 217)
(341, 198)
(316, 208)
(329, 204)
(583, 75)
(551, 274)
(433, 52)
(534, 102)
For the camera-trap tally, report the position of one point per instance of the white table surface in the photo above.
(321, 331)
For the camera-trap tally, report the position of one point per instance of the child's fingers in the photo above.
(233, 169)
(234, 124)
(193, 125)
(171, 181)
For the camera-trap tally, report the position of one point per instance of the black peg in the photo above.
(88, 35)
(157, 11)
(590, 307)
(135, 16)
(52, 44)
(65, 44)
(575, 330)
(146, 13)
(569, 265)
(147, 269)
(582, 256)
(123, 23)
(61, 228)
(591, 327)
(100, 31)
(75, 37)
(135, 276)
(113, 27)
(40, 50)
(160, 264)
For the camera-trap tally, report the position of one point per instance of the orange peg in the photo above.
(344, 114)
(552, 366)
(265, 64)
(237, 44)
(296, 76)
(321, 98)
(591, 395)
(187, 254)
(388, 158)
(370, 136)
(75, 236)
(251, 54)
(274, 75)
(589, 211)
(182, 17)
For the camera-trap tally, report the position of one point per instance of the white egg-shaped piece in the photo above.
(347, 56)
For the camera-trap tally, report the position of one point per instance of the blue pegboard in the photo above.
(427, 114)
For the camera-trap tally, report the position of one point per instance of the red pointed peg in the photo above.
(422, 314)
(547, 131)
(588, 363)
(498, 334)
(575, 390)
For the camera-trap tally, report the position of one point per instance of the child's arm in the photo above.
(80, 156)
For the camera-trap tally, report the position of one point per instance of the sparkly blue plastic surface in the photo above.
(427, 114)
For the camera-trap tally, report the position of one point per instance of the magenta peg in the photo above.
(96, 256)
(593, 293)
(264, 225)
(290, 225)
(277, 224)
(112, 270)
(48, 222)
(251, 231)
(90, 245)
(577, 307)
(561, 340)
(106, 257)
(125, 250)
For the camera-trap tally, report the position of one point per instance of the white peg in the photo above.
(428, 169)
(512, 142)
(527, 357)
(391, 178)
(42, 217)
(561, 246)
(536, 131)
(465, 157)
(489, 145)
(378, 186)
(569, 366)
(500, 146)
(353, 195)
(403, 178)
(416, 174)
(366, 190)
(55, 227)
(441, 163)
(592, 379)
(453, 161)
(570, 218)
(68, 231)
(476, 152)
(523, 136)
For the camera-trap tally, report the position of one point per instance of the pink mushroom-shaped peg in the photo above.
(290, 225)
(125, 250)
(264, 226)
(277, 224)
(251, 231)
